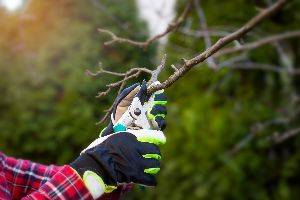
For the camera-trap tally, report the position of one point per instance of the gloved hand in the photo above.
(120, 158)
(156, 113)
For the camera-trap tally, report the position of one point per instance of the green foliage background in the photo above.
(48, 105)
(48, 110)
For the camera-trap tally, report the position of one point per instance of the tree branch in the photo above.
(189, 64)
(258, 66)
(261, 42)
(132, 73)
(144, 44)
(155, 73)
(278, 139)
(108, 111)
(202, 33)
(97, 4)
(261, 66)
(203, 24)
(260, 126)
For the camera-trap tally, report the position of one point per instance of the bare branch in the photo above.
(102, 94)
(280, 138)
(189, 64)
(116, 39)
(118, 83)
(260, 126)
(132, 73)
(283, 57)
(203, 24)
(103, 71)
(174, 67)
(261, 42)
(126, 78)
(97, 4)
(202, 33)
(144, 44)
(109, 110)
(258, 66)
(157, 71)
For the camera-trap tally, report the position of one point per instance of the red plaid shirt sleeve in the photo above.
(23, 179)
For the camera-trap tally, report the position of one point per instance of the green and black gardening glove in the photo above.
(120, 158)
(125, 157)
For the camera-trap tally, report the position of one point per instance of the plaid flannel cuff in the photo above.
(65, 184)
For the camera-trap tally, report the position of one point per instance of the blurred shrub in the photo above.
(47, 107)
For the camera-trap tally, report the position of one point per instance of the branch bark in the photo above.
(278, 139)
(132, 73)
(203, 24)
(257, 128)
(144, 44)
(261, 42)
(189, 64)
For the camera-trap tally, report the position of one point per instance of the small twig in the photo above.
(157, 71)
(232, 60)
(261, 42)
(174, 67)
(280, 138)
(116, 39)
(284, 58)
(102, 94)
(126, 78)
(258, 66)
(118, 84)
(203, 24)
(189, 64)
(132, 73)
(106, 11)
(103, 71)
(106, 115)
(282, 53)
(109, 110)
(202, 33)
(260, 126)
(144, 44)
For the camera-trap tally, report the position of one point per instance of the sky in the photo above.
(11, 5)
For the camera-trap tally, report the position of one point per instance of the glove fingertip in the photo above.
(152, 171)
(163, 124)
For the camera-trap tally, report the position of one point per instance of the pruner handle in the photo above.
(123, 122)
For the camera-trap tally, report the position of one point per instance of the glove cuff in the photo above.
(86, 163)
(96, 185)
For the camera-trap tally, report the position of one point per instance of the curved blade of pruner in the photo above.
(136, 114)
(142, 94)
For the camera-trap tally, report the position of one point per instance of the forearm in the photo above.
(24, 177)
(65, 184)
(29, 180)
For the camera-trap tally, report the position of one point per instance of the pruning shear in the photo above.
(136, 114)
